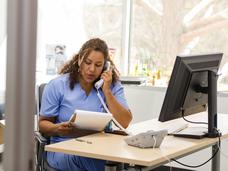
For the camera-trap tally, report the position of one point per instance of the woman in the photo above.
(74, 89)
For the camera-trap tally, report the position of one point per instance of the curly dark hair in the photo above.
(72, 66)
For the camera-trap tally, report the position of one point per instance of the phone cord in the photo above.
(102, 101)
(106, 108)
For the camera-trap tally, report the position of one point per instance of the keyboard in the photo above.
(174, 128)
(192, 132)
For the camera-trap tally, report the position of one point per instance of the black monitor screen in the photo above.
(187, 90)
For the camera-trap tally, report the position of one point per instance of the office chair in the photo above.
(41, 141)
(2, 111)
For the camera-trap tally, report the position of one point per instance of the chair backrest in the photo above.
(41, 140)
(2, 111)
(40, 93)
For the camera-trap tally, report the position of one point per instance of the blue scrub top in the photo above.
(60, 101)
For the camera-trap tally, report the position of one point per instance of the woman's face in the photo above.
(92, 66)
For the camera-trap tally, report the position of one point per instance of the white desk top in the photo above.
(113, 147)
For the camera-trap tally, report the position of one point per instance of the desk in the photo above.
(113, 148)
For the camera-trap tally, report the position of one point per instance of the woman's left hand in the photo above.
(107, 77)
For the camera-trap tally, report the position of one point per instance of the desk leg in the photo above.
(215, 164)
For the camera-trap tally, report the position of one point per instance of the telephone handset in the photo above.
(99, 83)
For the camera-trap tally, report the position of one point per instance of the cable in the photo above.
(225, 155)
(218, 146)
(192, 121)
(155, 142)
(154, 146)
(113, 119)
(102, 101)
(195, 166)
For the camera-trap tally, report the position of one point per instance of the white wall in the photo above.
(145, 103)
(222, 102)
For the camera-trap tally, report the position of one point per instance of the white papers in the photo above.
(91, 120)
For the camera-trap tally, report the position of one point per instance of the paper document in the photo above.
(89, 120)
(96, 121)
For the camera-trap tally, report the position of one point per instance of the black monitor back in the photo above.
(187, 90)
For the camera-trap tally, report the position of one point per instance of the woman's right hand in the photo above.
(49, 128)
(67, 129)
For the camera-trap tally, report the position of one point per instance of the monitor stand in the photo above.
(211, 131)
(192, 132)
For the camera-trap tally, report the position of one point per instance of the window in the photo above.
(163, 29)
(70, 23)
(159, 30)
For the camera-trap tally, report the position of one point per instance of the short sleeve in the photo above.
(118, 92)
(51, 99)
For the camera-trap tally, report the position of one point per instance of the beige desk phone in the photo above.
(99, 83)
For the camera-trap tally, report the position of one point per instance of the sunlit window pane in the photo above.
(163, 29)
(70, 23)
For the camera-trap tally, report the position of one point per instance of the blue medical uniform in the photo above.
(60, 101)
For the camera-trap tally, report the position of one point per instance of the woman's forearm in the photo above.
(120, 113)
(48, 128)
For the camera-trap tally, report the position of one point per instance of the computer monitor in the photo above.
(193, 87)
